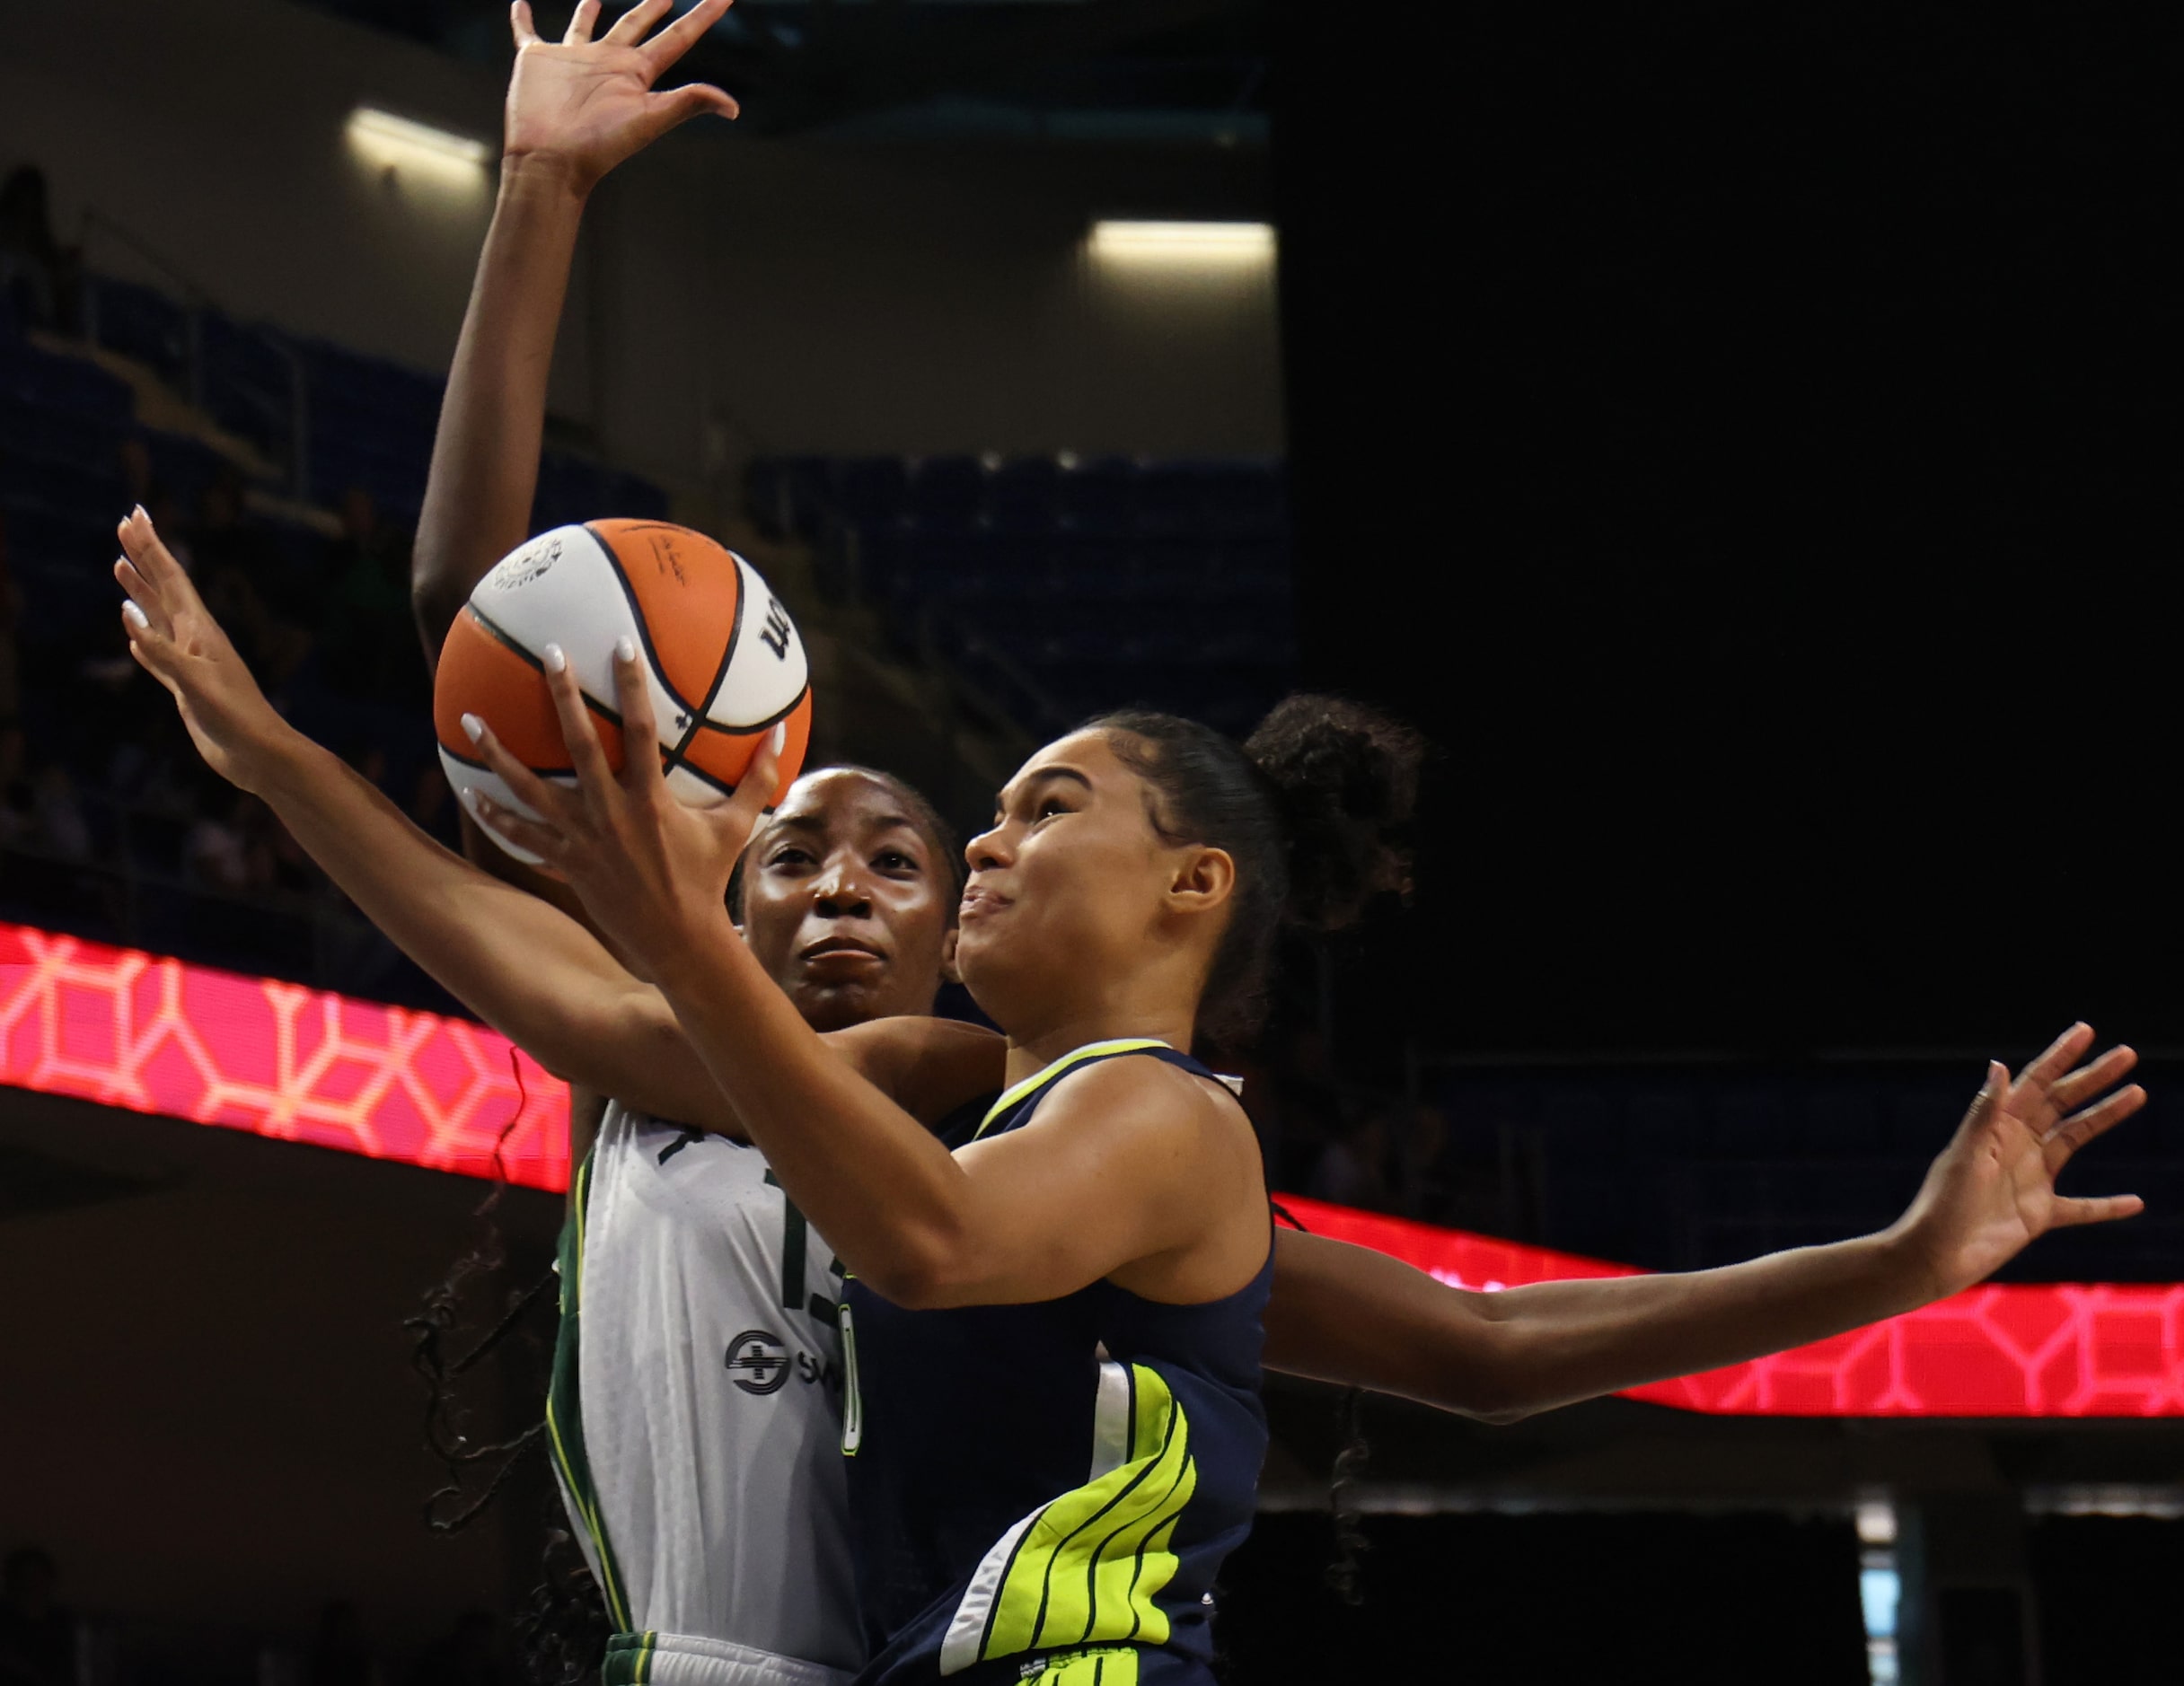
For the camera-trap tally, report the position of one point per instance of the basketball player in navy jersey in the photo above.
(1497, 1357)
(1341, 1312)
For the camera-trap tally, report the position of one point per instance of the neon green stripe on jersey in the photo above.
(564, 1406)
(1047, 1073)
(1088, 1568)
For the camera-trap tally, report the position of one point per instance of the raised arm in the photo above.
(524, 967)
(1344, 1313)
(576, 109)
(529, 970)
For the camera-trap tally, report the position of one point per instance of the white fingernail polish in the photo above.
(625, 648)
(473, 728)
(780, 740)
(134, 617)
(553, 657)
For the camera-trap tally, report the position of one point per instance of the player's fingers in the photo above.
(579, 30)
(527, 787)
(586, 754)
(2065, 1052)
(631, 26)
(2079, 1086)
(677, 106)
(511, 827)
(1991, 1091)
(520, 25)
(640, 733)
(148, 554)
(679, 37)
(151, 614)
(2101, 1208)
(2074, 1133)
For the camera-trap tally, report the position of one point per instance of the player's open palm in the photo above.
(1991, 1191)
(177, 642)
(589, 105)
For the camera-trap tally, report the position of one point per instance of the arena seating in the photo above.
(97, 831)
(1062, 586)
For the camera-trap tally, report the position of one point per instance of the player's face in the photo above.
(1067, 891)
(845, 904)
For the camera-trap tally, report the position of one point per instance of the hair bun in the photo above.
(1345, 777)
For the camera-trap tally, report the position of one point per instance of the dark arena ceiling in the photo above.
(1169, 72)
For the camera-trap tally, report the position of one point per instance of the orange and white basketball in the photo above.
(722, 659)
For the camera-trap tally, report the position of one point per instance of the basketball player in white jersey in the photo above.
(700, 1460)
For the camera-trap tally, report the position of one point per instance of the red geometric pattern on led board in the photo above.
(152, 1035)
(2016, 1350)
(156, 1035)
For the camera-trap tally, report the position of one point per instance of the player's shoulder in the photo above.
(1146, 1092)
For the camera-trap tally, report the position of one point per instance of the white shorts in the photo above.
(681, 1659)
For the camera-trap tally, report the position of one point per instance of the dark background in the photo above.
(1744, 438)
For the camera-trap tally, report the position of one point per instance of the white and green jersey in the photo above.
(695, 1414)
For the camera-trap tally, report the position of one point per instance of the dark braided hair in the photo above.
(562, 1628)
(1314, 808)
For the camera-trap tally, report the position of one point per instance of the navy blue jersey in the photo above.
(1045, 1491)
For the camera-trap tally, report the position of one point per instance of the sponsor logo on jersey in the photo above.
(757, 1363)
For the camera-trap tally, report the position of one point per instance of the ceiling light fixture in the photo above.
(389, 141)
(1176, 242)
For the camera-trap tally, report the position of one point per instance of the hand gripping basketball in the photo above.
(652, 871)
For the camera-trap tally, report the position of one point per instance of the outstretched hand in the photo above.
(173, 636)
(1991, 1191)
(652, 871)
(589, 104)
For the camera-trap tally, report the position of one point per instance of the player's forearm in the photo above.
(1560, 1342)
(890, 1200)
(527, 970)
(485, 457)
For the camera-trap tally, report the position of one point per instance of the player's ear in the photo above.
(948, 974)
(1204, 880)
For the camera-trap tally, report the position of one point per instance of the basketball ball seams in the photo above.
(637, 615)
(605, 711)
(736, 728)
(720, 674)
(556, 774)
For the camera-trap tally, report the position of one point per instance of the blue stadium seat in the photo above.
(1099, 496)
(141, 322)
(1023, 496)
(865, 491)
(948, 494)
(68, 386)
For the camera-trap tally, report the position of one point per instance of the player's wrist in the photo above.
(542, 178)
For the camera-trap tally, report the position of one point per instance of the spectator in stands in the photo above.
(265, 604)
(37, 275)
(37, 1631)
(365, 641)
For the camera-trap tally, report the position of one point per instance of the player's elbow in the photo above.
(436, 599)
(927, 1265)
(1488, 1375)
